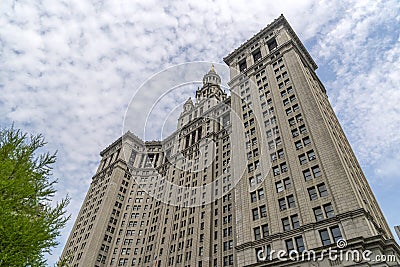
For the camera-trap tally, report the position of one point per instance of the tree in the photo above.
(29, 223)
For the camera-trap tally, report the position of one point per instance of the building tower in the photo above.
(265, 169)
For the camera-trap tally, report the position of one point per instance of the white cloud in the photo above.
(68, 68)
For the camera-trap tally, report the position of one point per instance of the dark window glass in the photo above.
(257, 233)
(329, 210)
(322, 190)
(290, 200)
(295, 221)
(318, 214)
(336, 234)
(299, 244)
(312, 192)
(282, 204)
(325, 239)
(285, 224)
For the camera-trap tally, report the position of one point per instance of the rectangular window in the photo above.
(255, 214)
(263, 211)
(286, 224)
(311, 155)
(284, 167)
(272, 44)
(302, 159)
(307, 175)
(295, 132)
(291, 202)
(336, 234)
(295, 221)
(242, 65)
(265, 230)
(287, 183)
(298, 145)
(257, 55)
(318, 214)
(312, 192)
(279, 186)
(260, 193)
(322, 190)
(276, 170)
(257, 233)
(329, 210)
(289, 245)
(325, 239)
(306, 141)
(253, 196)
(299, 243)
(316, 171)
(282, 204)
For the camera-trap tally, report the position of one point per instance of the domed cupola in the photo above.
(212, 77)
(211, 87)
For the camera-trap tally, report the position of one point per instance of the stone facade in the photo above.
(264, 169)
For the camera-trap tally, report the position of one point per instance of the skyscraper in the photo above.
(264, 169)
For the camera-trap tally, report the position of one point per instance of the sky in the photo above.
(69, 68)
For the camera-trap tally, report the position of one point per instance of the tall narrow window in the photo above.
(287, 183)
(299, 243)
(307, 175)
(255, 214)
(302, 159)
(282, 204)
(257, 233)
(312, 192)
(336, 234)
(291, 202)
(318, 214)
(325, 239)
(265, 230)
(242, 65)
(272, 44)
(329, 210)
(289, 245)
(279, 186)
(322, 190)
(295, 221)
(316, 171)
(311, 155)
(263, 211)
(257, 55)
(286, 224)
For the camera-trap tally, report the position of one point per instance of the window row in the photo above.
(283, 184)
(281, 168)
(308, 156)
(285, 203)
(259, 212)
(261, 232)
(257, 194)
(324, 211)
(293, 108)
(330, 235)
(303, 142)
(321, 189)
(291, 222)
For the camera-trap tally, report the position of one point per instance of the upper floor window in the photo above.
(242, 65)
